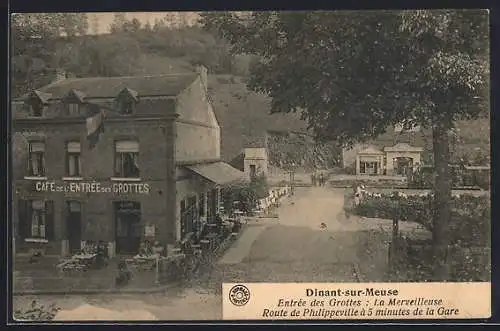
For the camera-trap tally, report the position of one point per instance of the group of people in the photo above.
(147, 249)
(318, 179)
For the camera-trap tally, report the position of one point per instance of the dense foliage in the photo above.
(285, 149)
(246, 193)
(42, 43)
(461, 177)
(470, 215)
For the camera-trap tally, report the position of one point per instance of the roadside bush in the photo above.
(469, 234)
(369, 182)
(470, 215)
(246, 193)
(423, 178)
(36, 312)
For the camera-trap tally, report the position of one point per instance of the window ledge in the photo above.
(125, 179)
(36, 240)
(35, 178)
(72, 178)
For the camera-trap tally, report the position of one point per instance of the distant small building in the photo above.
(370, 161)
(255, 161)
(395, 153)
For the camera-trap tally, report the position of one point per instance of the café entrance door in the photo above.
(128, 227)
(74, 225)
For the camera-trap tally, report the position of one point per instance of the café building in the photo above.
(154, 169)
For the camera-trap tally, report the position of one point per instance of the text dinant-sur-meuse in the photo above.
(314, 292)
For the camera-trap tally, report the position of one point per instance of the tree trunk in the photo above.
(442, 199)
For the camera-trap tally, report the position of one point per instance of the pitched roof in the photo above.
(106, 87)
(218, 172)
(370, 150)
(77, 94)
(44, 97)
(131, 92)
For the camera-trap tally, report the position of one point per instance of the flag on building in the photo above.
(95, 124)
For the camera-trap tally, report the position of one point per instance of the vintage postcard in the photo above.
(315, 165)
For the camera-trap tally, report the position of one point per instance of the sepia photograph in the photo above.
(260, 165)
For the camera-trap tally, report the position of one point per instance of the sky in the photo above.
(105, 19)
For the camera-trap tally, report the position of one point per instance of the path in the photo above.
(296, 248)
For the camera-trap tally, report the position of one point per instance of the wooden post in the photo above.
(395, 234)
(157, 269)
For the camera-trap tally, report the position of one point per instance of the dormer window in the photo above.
(128, 107)
(73, 100)
(126, 101)
(73, 109)
(36, 109)
(37, 102)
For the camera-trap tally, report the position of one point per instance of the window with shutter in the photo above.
(73, 166)
(38, 216)
(127, 159)
(36, 159)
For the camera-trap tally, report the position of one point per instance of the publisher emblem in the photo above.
(239, 295)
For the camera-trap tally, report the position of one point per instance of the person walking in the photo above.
(313, 179)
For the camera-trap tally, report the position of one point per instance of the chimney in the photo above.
(60, 75)
(202, 71)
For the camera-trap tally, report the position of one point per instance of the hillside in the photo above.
(244, 116)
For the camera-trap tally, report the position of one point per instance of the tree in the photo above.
(119, 20)
(158, 25)
(353, 74)
(132, 26)
(73, 24)
(94, 23)
(33, 43)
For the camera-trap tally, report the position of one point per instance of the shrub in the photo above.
(246, 193)
(469, 233)
(470, 215)
(36, 312)
(423, 178)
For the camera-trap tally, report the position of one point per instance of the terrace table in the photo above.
(144, 262)
(87, 258)
(37, 246)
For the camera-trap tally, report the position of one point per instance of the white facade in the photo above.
(393, 160)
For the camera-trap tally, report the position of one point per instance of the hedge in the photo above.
(470, 215)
